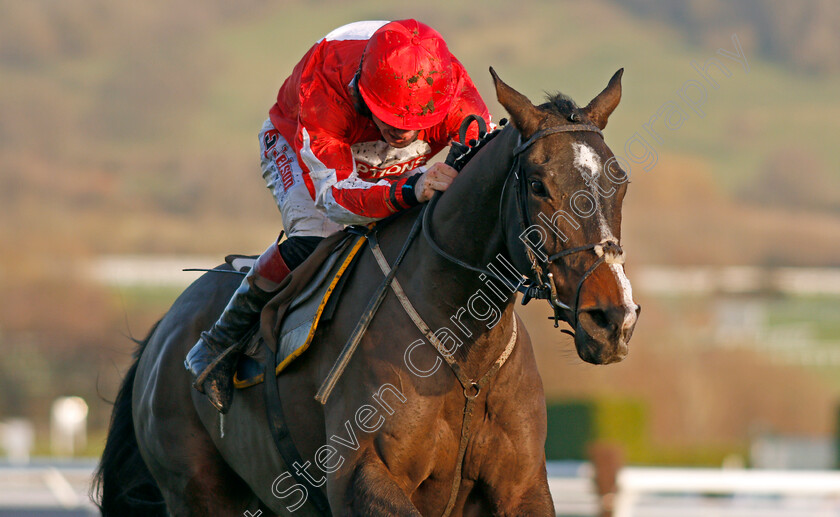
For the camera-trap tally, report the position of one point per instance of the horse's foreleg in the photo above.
(372, 491)
(525, 497)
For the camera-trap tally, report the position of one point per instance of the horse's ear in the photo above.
(602, 106)
(525, 116)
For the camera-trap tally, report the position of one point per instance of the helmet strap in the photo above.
(358, 102)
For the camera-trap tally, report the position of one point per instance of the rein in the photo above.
(533, 285)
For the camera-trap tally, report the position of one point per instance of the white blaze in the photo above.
(588, 162)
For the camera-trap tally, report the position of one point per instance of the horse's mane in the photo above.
(561, 104)
(460, 155)
(557, 102)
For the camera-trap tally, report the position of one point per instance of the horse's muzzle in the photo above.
(603, 334)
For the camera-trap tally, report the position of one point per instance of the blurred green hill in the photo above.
(137, 122)
(802, 35)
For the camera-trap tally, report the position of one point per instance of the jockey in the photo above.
(345, 143)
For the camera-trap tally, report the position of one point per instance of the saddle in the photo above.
(307, 297)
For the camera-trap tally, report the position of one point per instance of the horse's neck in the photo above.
(466, 223)
(466, 218)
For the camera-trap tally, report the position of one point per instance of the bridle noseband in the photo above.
(533, 285)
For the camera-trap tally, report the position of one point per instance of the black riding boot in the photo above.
(213, 359)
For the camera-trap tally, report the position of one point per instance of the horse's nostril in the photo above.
(614, 321)
(599, 317)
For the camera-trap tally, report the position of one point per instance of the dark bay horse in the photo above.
(543, 198)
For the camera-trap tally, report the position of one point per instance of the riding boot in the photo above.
(213, 359)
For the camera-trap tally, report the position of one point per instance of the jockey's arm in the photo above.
(338, 189)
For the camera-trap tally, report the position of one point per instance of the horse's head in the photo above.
(567, 194)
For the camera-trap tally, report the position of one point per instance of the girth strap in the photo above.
(472, 388)
(283, 440)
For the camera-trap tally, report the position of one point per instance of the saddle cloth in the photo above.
(314, 303)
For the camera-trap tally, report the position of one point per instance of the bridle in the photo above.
(536, 284)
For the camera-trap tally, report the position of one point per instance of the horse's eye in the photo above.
(538, 188)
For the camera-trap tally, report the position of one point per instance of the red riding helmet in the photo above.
(406, 77)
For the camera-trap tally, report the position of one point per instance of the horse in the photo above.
(451, 425)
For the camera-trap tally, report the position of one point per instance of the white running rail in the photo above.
(634, 483)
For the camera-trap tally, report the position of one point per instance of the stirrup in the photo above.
(210, 368)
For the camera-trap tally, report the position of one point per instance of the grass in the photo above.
(821, 312)
(148, 298)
